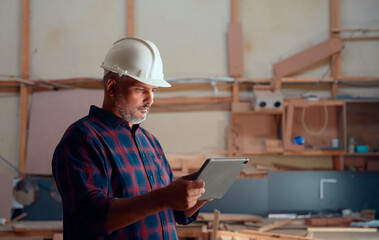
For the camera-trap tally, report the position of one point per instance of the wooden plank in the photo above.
(19, 227)
(234, 11)
(250, 234)
(323, 222)
(235, 50)
(275, 225)
(25, 39)
(338, 162)
(58, 236)
(193, 231)
(235, 92)
(327, 103)
(340, 229)
(25, 69)
(292, 103)
(307, 57)
(346, 235)
(228, 217)
(273, 146)
(22, 238)
(130, 18)
(24, 113)
(6, 187)
(335, 60)
(315, 152)
(216, 223)
(192, 100)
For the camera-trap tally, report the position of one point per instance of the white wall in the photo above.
(70, 38)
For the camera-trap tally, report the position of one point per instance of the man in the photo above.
(112, 174)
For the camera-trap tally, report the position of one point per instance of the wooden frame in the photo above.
(25, 69)
(25, 88)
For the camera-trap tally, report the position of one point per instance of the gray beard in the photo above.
(130, 118)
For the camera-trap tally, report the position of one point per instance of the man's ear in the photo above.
(111, 86)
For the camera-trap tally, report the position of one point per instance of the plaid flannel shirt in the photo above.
(100, 158)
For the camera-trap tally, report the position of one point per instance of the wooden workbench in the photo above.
(44, 229)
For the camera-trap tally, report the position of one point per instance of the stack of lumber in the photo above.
(253, 227)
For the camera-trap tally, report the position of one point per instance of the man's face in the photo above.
(134, 99)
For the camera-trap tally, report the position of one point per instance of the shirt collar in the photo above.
(108, 118)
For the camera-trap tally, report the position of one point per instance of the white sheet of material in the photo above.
(50, 115)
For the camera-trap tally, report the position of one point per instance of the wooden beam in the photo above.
(338, 162)
(335, 60)
(25, 71)
(234, 11)
(235, 44)
(250, 234)
(191, 100)
(292, 104)
(365, 30)
(130, 18)
(216, 222)
(25, 39)
(235, 50)
(340, 229)
(307, 57)
(275, 225)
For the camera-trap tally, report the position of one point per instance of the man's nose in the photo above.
(150, 98)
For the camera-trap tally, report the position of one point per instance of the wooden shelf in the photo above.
(258, 152)
(316, 152)
(261, 112)
(371, 154)
(328, 103)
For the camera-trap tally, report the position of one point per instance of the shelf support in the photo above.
(292, 104)
(308, 57)
(130, 11)
(25, 71)
(335, 60)
(235, 50)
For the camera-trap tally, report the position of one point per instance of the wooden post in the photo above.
(25, 70)
(216, 222)
(292, 104)
(235, 50)
(130, 18)
(335, 19)
(338, 163)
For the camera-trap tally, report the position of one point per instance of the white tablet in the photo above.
(219, 175)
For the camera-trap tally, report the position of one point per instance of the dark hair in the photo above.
(109, 75)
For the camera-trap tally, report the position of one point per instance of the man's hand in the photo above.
(184, 192)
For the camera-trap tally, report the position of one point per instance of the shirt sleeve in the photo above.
(81, 176)
(181, 218)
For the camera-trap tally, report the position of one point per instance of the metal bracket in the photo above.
(322, 181)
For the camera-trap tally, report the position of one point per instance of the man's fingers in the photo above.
(197, 188)
(198, 184)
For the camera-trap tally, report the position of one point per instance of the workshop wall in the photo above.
(70, 38)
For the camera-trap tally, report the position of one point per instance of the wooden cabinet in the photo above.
(362, 126)
(325, 127)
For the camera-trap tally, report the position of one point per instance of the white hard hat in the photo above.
(136, 58)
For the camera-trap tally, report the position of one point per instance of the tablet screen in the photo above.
(219, 175)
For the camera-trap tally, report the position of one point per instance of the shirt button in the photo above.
(151, 177)
(164, 222)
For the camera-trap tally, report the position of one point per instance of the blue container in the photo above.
(362, 149)
(299, 140)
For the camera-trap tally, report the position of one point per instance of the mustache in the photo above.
(148, 106)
